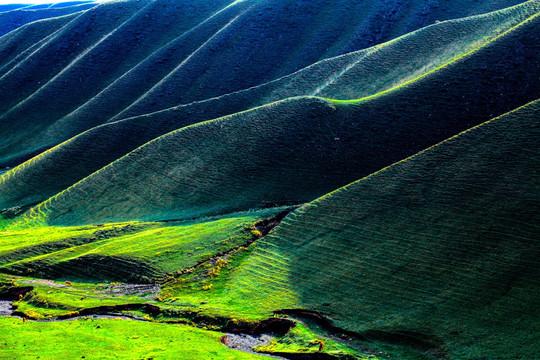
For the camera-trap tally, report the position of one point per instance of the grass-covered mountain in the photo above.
(356, 179)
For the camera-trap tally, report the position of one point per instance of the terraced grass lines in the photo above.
(354, 75)
(317, 145)
(183, 51)
(14, 18)
(440, 248)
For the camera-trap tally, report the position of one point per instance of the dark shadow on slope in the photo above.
(439, 249)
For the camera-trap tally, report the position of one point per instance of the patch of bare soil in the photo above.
(6, 308)
(144, 291)
(246, 343)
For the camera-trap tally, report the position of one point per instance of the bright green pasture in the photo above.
(110, 339)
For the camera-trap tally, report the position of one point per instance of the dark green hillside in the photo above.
(19, 43)
(296, 150)
(28, 75)
(175, 47)
(13, 19)
(438, 251)
(359, 73)
(316, 32)
(308, 180)
(106, 58)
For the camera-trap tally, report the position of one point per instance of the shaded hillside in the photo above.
(19, 43)
(12, 19)
(28, 76)
(357, 74)
(298, 149)
(439, 251)
(201, 52)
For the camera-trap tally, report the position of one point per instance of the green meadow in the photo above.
(114, 338)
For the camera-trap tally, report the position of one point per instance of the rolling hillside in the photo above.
(11, 19)
(332, 180)
(115, 47)
(315, 143)
(438, 251)
(354, 75)
(134, 252)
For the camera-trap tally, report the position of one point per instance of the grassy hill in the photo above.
(14, 18)
(435, 253)
(438, 251)
(19, 43)
(313, 143)
(113, 338)
(320, 179)
(135, 252)
(155, 72)
(356, 74)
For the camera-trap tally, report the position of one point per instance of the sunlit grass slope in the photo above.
(441, 248)
(298, 149)
(114, 338)
(10, 20)
(136, 252)
(354, 75)
(127, 58)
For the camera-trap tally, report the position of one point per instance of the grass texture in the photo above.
(317, 144)
(106, 339)
(136, 57)
(135, 252)
(366, 171)
(440, 249)
(15, 18)
(355, 75)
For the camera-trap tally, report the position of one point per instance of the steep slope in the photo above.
(13, 19)
(356, 74)
(180, 66)
(439, 251)
(28, 75)
(296, 150)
